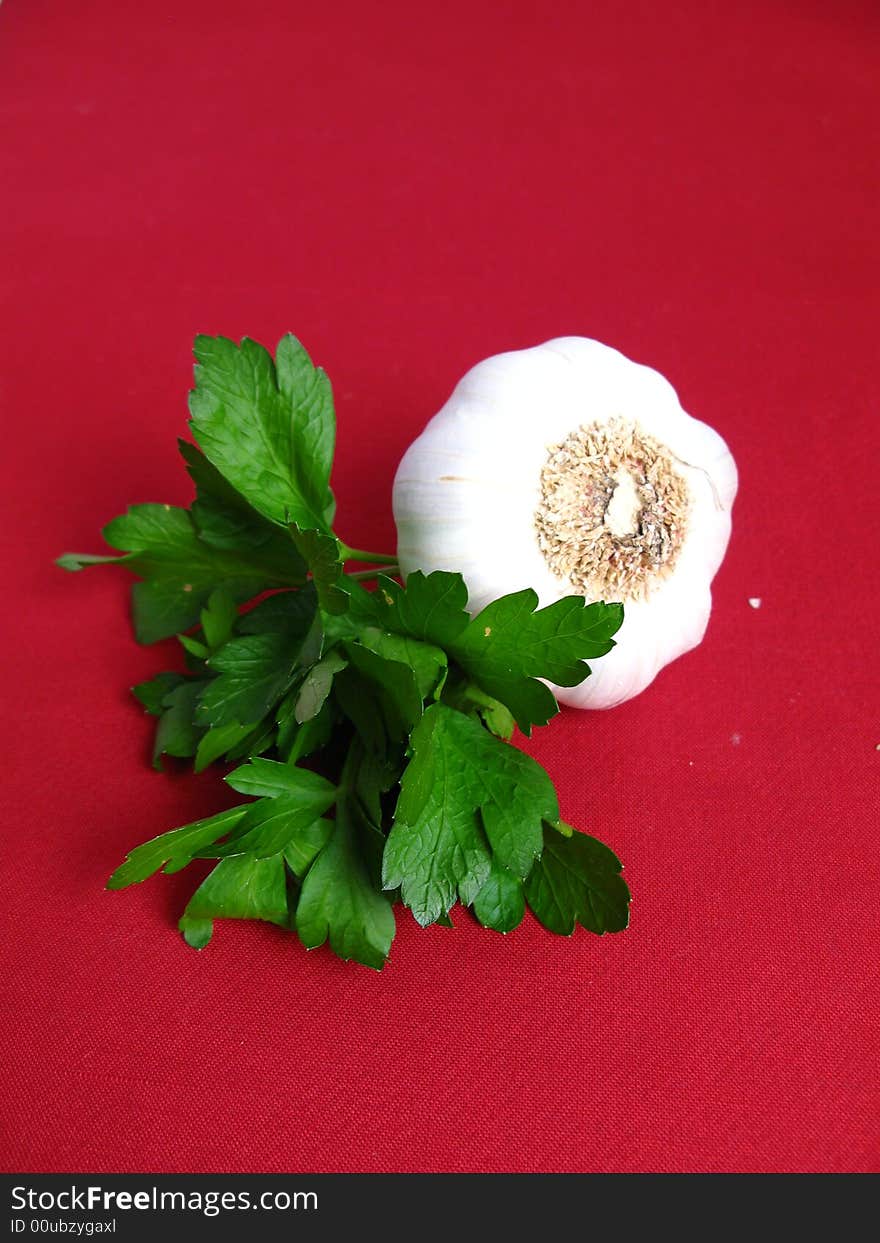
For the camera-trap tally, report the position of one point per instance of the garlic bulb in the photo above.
(569, 468)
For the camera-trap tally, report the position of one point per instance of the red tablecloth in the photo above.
(411, 188)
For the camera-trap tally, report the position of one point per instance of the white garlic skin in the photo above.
(466, 492)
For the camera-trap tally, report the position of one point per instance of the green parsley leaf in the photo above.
(302, 849)
(177, 734)
(410, 701)
(260, 740)
(297, 741)
(320, 552)
(465, 797)
(269, 428)
(500, 904)
(268, 779)
(431, 607)
(174, 849)
(213, 487)
(224, 520)
(360, 612)
(254, 673)
(340, 902)
(386, 686)
(508, 645)
(237, 888)
(152, 694)
(180, 571)
(370, 777)
(193, 647)
(274, 822)
(427, 662)
(468, 697)
(217, 741)
(316, 686)
(281, 635)
(577, 881)
(218, 619)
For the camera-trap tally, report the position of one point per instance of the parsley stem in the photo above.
(360, 575)
(359, 554)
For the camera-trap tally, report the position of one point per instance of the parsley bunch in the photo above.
(371, 729)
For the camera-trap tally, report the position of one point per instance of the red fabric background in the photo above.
(412, 188)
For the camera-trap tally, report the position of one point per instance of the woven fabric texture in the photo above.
(411, 188)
